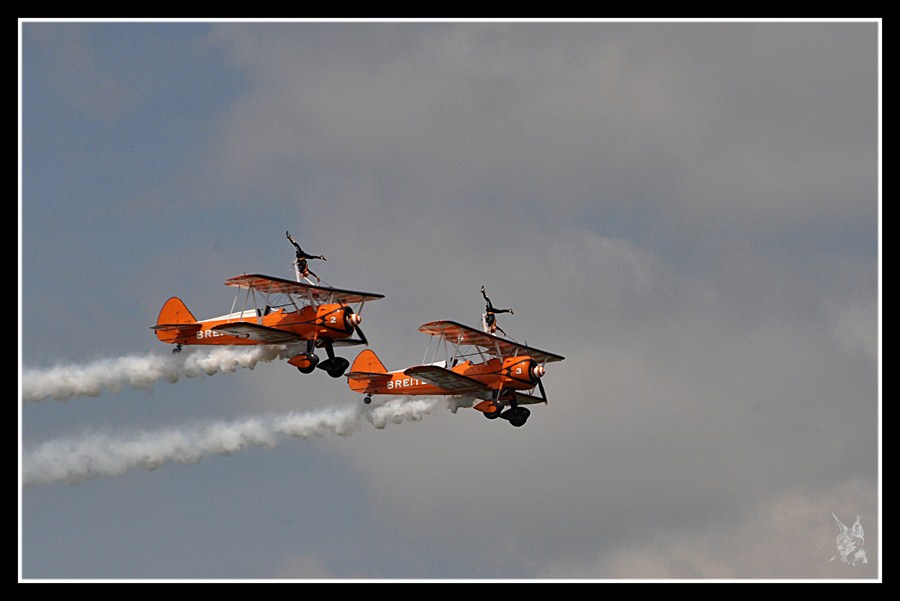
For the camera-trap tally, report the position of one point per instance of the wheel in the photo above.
(496, 413)
(338, 368)
(368, 399)
(519, 416)
(313, 361)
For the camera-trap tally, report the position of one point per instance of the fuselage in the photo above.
(510, 373)
(329, 321)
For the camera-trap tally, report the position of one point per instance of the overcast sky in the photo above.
(688, 212)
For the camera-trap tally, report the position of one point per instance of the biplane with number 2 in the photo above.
(500, 373)
(299, 316)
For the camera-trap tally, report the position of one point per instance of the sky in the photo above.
(689, 212)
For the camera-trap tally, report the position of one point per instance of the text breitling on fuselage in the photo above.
(404, 383)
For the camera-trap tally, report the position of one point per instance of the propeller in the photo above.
(537, 372)
(352, 320)
(543, 393)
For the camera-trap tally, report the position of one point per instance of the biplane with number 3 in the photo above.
(275, 311)
(499, 372)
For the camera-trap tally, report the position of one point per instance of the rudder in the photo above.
(174, 311)
(367, 373)
(174, 321)
(368, 362)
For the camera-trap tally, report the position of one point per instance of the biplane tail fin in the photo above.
(367, 362)
(175, 321)
(367, 369)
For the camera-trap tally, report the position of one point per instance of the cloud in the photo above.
(679, 402)
(790, 535)
(686, 212)
(71, 66)
(568, 117)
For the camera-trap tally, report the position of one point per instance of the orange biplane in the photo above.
(277, 312)
(497, 371)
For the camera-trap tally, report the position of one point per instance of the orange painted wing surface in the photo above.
(258, 333)
(446, 379)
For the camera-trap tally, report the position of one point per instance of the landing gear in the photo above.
(306, 362)
(177, 348)
(498, 407)
(338, 367)
(335, 366)
(313, 361)
(368, 399)
(517, 416)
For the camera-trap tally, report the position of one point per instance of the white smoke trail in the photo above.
(64, 382)
(90, 456)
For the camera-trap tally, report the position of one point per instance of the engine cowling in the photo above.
(521, 372)
(337, 318)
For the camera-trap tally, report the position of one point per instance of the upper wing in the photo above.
(457, 333)
(446, 379)
(256, 332)
(323, 294)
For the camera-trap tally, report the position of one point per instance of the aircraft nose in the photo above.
(354, 320)
(537, 371)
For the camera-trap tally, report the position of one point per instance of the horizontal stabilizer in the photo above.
(367, 377)
(360, 381)
(181, 328)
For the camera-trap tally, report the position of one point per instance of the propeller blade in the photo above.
(362, 336)
(541, 386)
